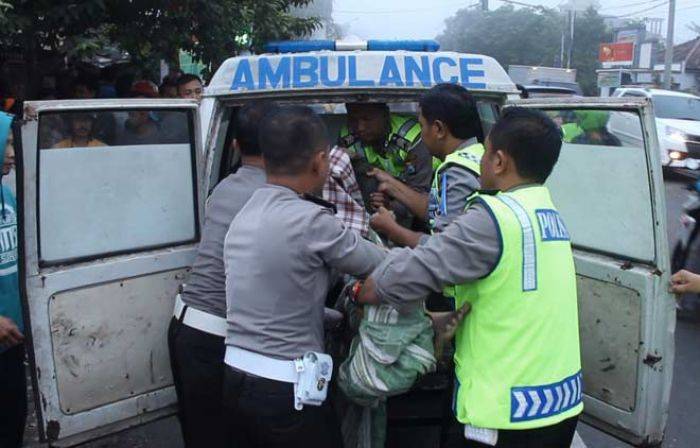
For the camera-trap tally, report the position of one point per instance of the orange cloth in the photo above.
(68, 143)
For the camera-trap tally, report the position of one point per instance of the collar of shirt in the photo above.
(522, 187)
(467, 143)
(282, 189)
(251, 168)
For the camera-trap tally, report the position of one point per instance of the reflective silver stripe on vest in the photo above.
(403, 130)
(529, 247)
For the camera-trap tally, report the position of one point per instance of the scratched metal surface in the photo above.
(109, 340)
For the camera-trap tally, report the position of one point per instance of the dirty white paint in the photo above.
(609, 319)
(109, 340)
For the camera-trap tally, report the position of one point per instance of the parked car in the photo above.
(677, 124)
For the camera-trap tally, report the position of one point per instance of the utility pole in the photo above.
(668, 60)
(484, 5)
(572, 21)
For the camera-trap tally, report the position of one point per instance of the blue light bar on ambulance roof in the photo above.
(299, 46)
(302, 46)
(408, 45)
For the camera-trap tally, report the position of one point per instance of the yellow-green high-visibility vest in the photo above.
(517, 356)
(403, 136)
(570, 131)
(468, 158)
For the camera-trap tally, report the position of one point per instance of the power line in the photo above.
(629, 5)
(664, 2)
(402, 11)
(527, 5)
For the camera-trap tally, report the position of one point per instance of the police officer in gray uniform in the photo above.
(196, 334)
(281, 252)
(451, 130)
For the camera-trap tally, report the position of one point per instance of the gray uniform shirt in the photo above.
(279, 253)
(465, 251)
(205, 288)
(460, 183)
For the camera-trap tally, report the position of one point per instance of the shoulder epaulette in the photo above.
(346, 141)
(318, 201)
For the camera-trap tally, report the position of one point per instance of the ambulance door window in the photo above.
(598, 143)
(87, 211)
(488, 112)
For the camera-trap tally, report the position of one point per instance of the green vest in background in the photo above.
(468, 158)
(517, 358)
(570, 131)
(403, 136)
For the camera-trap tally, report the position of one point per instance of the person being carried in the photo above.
(451, 130)
(342, 190)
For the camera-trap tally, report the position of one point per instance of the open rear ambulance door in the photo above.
(108, 231)
(609, 188)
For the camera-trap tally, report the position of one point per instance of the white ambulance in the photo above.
(110, 230)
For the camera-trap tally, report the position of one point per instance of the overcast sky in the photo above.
(397, 19)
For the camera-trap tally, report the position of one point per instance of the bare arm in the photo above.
(385, 223)
(9, 333)
(685, 282)
(415, 201)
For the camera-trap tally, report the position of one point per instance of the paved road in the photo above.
(683, 428)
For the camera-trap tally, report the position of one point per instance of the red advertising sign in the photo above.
(616, 52)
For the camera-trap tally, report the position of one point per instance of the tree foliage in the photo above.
(149, 30)
(528, 37)
(589, 32)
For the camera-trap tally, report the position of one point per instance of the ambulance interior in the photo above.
(334, 115)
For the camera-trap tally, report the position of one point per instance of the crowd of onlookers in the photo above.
(112, 127)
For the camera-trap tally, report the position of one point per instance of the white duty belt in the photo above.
(199, 320)
(261, 365)
(310, 374)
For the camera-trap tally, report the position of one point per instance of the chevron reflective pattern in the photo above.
(533, 402)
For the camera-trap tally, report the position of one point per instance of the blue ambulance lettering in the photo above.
(307, 71)
(325, 77)
(352, 77)
(421, 72)
(390, 73)
(273, 76)
(552, 227)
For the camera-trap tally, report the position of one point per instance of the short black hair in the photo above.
(91, 82)
(167, 82)
(187, 77)
(289, 137)
(247, 125)
(453, 105)
(382, 107)
(531, 138)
